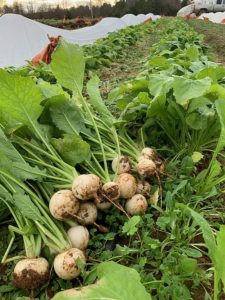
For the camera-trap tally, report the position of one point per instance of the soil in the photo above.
(29, 279)
(128, 66)
(214, 37)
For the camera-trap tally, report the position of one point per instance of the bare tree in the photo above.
(30, 7)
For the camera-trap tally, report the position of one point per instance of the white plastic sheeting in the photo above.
(186, 10)
(21, 38)
(214, 17)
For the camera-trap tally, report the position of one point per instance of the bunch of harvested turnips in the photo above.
(88, 195)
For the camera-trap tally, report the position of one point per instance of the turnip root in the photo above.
(79, 237)
(87, 213)
(111, 191)
(136, 205)
(146, 167)
(65, 264)
(85, 187)
(31, 273)
(148, 153)
(160, 166)
(121, 165)
(144, 189)
(127, 185)
(63, 205)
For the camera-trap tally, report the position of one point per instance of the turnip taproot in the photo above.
(136, 205)
(85, 187)
(127, 185)
(121, 165)
(87, 213)
(63, 205)
(79, 237)
(65, 263)
(31, 273)
(146, 167)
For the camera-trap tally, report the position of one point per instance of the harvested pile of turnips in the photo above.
(128, 192)
(64, 158)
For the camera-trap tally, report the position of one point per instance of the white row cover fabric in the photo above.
(217, 17)
(186, 10)
(22, 38)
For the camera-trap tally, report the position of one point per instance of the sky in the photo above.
(53, 2)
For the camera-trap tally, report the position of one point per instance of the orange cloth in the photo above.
(148, 20)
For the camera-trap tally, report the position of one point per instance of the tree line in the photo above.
(99, 9)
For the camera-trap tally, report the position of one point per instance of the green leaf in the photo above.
(12, 162)
(160, 84)
(68, 66)
(157, 105)
(26, 207)
(51, 90)
(197, 156)
(215, 73)
(187, 265)
(115, 282)
(66, 115)
(72, 148)
(186, 89)
(220, 108)
(205, 228)
(19, 99)
(196, 121)
(219, 254)
(130, 227)
(197, 103)
(158, 61)
(96, 100)
(193, 53)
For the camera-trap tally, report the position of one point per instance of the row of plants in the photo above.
(177, 104)
(125, 205)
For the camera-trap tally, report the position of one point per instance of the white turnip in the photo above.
(111, 191)
(87, 213)
(85, 187)
(160, 166)
(65, 263)
(79, 237)
(127, 185)
(146, 167)
(121, 165)
(144, 188)
(63, 205)
(136, 205)
(148, 153)
(102, 203)
(31, 273)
